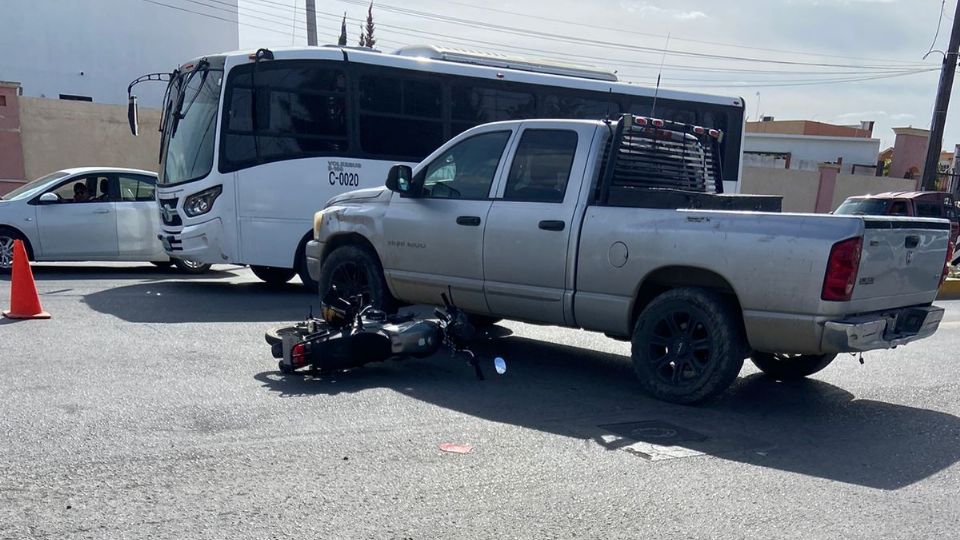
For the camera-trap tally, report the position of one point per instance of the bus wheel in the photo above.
(273, 275)
(356, 270)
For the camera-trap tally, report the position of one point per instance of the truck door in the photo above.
(435, 240)
(526, 262)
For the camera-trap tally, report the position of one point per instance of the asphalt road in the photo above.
(149, 407)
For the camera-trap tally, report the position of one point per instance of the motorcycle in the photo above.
(351, 333)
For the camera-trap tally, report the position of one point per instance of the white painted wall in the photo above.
(808, 150)
(96, 47)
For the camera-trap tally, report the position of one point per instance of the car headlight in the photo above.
(201, 203)
(317, 222)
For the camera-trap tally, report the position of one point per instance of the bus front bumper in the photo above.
(201, 242)
(314, 252)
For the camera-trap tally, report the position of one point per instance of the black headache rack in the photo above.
(654, 163)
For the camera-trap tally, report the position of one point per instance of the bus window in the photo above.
(400, 117)
(579, 108)
(301, 112)
(474, 105)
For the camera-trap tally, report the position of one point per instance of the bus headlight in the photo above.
(317, 222)
(201, 203)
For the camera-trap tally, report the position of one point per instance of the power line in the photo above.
(933, 43)
(211, 16)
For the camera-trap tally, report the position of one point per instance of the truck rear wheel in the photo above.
(356, 270)
(787, 367)
(273, 275)
(687, 346)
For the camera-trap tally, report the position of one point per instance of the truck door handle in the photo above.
(911, 241)
(469, 221)
(552, 225)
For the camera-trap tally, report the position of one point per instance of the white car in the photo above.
(86, 214)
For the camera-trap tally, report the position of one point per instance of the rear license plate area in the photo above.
(910, 321)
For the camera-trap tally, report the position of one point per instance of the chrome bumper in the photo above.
(314, 252)
(880, 331)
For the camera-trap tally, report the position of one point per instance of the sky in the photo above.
(836, 61)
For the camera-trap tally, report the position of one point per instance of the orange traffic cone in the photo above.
(24, 301)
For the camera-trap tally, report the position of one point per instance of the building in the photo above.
(805, 144)
(91, 50)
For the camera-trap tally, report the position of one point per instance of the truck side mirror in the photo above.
(133, 115)
(400, 179)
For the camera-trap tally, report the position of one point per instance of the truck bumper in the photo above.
(314, 252)
(881, 330)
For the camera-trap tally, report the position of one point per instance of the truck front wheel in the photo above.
(356, 270)
(787, 367)
(687, 346)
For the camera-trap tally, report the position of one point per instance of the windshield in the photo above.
(31, 188)
(189, 127)
(863, 207)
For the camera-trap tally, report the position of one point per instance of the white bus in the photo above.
(253, 144)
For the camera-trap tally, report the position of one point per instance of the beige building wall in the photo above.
(59, 134)
(798, 188)
(850, 184)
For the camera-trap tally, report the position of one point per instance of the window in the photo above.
(541, 166)
(579, 108)
(136, 188)
(301, 111)
(474, 105)
(94, 188)
(400, 117)
(466, 170)
(928, 210)
(898, 208)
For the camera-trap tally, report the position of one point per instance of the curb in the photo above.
(950, 290)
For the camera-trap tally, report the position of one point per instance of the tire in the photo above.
(687, 346)
(483, 321)
(356, 269)
(273, 275)
(311, 284)
(190, 267)
(162, 264)
(7, 237)
(789, 367)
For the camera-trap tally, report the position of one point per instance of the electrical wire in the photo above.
(211, 16)
(933, 43)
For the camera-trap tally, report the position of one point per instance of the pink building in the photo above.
(909, 151)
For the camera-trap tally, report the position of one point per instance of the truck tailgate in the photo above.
(901, 256)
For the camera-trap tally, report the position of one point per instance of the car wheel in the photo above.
(191, 267)
(356, 270)
(786, 367)
(7, 238)
(687, 346)
(273, 275)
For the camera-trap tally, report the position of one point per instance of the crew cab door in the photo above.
(83, 224)
(435, 240)
(526, 247)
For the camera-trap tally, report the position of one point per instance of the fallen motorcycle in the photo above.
(351, 333)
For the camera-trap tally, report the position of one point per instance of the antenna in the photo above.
(656, 92)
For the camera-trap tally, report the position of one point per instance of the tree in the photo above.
(368, 40)
(343, 31)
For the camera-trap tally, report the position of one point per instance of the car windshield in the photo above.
(189, 128)
(31, 188)
(863, 207)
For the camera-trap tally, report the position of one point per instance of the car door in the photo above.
(82, 224)
(526, 243)
(138, 218)
(435, 240)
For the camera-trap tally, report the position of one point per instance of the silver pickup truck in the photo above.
(617, 227)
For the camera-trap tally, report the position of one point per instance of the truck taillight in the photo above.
(946, 263)
(298, 355)
(842, 267)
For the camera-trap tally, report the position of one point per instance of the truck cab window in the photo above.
(466, 170)
(541, 166)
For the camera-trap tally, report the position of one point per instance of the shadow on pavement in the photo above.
(176, 301)
(808, 427)
(42, 272)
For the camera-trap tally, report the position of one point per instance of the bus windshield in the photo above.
(189, 127)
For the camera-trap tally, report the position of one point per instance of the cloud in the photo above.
(689, 15)
(643, 9)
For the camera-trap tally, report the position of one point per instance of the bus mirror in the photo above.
(132, 115)
(400, 179)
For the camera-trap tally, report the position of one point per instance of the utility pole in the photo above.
(312, 23)
(940, 107)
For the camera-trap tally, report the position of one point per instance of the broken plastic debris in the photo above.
(456, 448)
(500, 365)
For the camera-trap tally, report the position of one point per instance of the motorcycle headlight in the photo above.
(201, 203)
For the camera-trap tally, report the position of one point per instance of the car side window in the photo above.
(135, 188)
(898, 208)
(541, 166)
(84, 189)
(466, 170)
